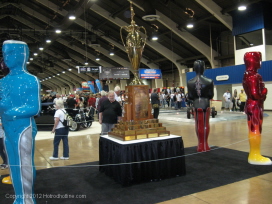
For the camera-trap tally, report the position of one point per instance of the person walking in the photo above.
(155, 101)
(61, 133)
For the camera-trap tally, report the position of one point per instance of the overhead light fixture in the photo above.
(190, 23)
(86, 63)
(154, 35)
(48, 40)
(41, 48)
(63, 72)
(58, 74)
(35, 54)
(49, 77)
(30, 58)
(111, 52)
(69, 69)
(242, 5)
(54, 76)
(58, 31)
(72, 17)
(27, 62)
(97, 58)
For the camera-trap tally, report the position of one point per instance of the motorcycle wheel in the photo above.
(75, 126)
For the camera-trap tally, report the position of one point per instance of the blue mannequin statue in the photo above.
(19, 102)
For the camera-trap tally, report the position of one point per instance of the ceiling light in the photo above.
(35, 54)
(72, 17)
(190, 23)
(48, 41)
(111, 52)
(69, 69)
(41, 48)
(49, 77)
(54, 76)
(58, 31)
(86, 63)
(30, 58)
(63, 72)
(28, 62)
(97, 58)
(242, 5)
(154, 36)
(58, 74)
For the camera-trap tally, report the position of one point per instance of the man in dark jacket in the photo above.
(155, 100)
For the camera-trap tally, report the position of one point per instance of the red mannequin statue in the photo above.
(200, 91)
(256, 95)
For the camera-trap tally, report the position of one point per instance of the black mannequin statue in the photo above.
(200, 91)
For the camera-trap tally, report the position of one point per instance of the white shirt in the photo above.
(116, 97)
(56, 99)
(178, 97)
(60, 114)
(227, 96)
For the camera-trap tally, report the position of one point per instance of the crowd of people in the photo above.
(235, 101)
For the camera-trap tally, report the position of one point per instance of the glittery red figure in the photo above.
(256, 95)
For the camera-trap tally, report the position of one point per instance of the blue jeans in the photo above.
(106, 127)
(61, 134)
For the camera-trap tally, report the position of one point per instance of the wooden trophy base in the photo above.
(137, 121)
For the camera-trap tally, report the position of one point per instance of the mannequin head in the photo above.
(15, 54)
(199, 67)
(253, 60)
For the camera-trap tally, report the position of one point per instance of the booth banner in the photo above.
(98, 84)
(85, 86)
(91, 85)
(78, 89)
(110, 73)
(150, 73)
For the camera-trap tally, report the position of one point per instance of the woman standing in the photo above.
(61, 133)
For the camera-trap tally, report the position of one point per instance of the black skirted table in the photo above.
(119, 153)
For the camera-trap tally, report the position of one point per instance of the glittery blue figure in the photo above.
(19, 102)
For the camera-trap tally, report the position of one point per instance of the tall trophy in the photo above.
(137, 121)
(134, 45)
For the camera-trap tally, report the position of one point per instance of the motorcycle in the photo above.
(82, 117)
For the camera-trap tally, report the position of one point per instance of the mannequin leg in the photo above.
(202, 128)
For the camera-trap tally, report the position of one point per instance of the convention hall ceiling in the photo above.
(96, 30)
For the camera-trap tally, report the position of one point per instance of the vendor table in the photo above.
(128, 159)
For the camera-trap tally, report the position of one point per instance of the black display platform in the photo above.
(113, 151)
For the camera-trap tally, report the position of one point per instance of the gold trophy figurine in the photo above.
(134, 46)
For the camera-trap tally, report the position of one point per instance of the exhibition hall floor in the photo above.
(228, 130)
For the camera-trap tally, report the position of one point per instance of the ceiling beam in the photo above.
(186, 36)
(215, 10)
